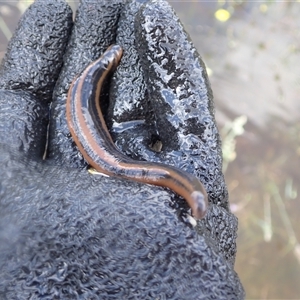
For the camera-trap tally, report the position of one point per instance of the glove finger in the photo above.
(181, 97)
(93, 32)
(165, 100)
(28, 74)
(34, 54)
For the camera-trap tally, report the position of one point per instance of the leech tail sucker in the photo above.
(90, 133)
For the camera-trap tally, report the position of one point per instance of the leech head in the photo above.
(199, 204)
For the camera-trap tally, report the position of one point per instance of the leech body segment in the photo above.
(90, 133)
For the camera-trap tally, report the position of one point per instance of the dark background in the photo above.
(252, 53)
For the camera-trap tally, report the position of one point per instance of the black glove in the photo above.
(67, 234)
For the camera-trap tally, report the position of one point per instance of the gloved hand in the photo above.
(67, 234)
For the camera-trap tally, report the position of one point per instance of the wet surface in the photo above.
(252, 59)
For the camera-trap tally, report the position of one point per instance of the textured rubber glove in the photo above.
(67, 234)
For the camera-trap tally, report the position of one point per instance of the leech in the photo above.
(90, 133)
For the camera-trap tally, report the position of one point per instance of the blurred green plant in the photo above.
(266, 223)
(229, 132)
(5, 29)
(274, 192)
(22, 5)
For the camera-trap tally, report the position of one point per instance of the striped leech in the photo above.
(90, 133)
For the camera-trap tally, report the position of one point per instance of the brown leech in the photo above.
(89, 131)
